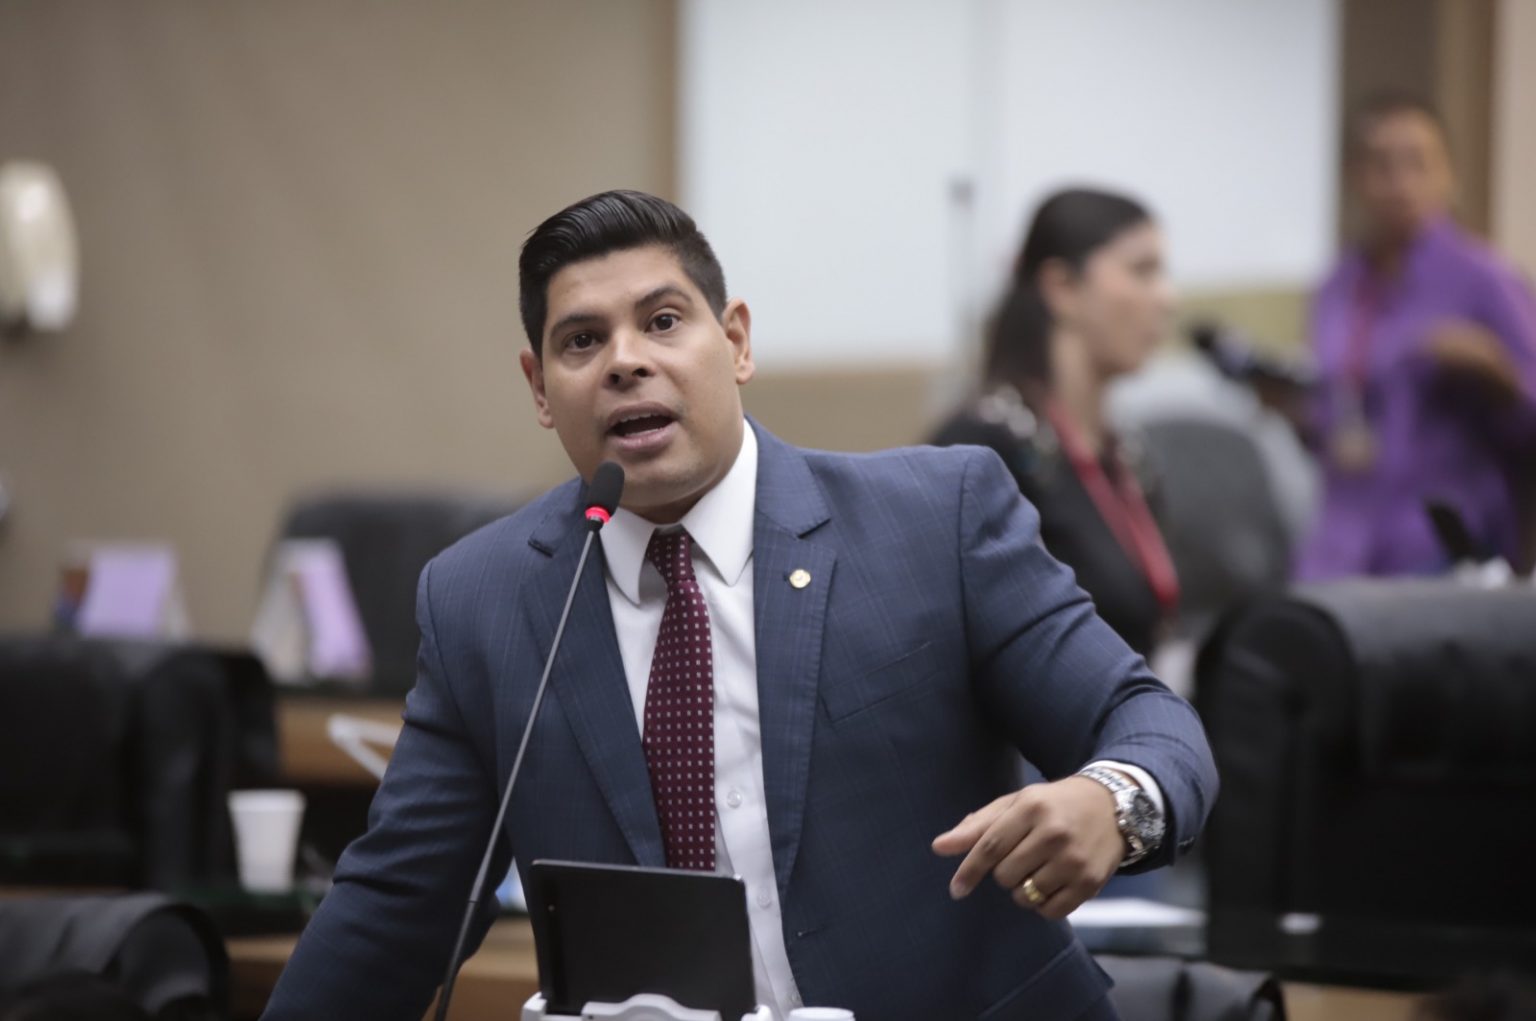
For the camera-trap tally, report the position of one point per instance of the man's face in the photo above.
(1402, 174)
(636, 369)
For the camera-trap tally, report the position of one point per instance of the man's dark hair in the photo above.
(613, 221)
(1068, 227)
(1377, 107)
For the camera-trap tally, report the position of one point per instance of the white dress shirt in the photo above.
(721, 526)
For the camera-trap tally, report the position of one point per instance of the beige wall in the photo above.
(299, 222)
(1441, 50)
(1464, 61)
(887, 405)
(1514, 135)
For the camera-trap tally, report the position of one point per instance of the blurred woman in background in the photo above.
(1089, 302)
(1425, 344)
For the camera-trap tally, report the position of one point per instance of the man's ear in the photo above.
(533, 370)
(736, 320)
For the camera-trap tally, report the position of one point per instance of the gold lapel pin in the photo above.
(800, 577)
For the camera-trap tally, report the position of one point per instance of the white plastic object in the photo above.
(266, 837)
(657, 1008)
(39, 253)
(354, 735)
(646, 1007)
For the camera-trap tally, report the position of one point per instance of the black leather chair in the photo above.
(1171, 989)
(116, 757)
(386, 539)
(1377, 748)
(65, 739)
(1220, 516)
(163, 957)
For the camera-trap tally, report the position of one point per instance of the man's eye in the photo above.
(665, 321)
(580, 341)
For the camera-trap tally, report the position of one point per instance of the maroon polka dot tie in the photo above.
(680, 711)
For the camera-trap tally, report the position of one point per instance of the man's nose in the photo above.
(628, 357)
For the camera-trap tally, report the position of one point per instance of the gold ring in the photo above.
(1032, 892)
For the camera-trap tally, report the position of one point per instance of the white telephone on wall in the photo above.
(39, 255)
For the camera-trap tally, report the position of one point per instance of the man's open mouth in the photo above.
(636, 425)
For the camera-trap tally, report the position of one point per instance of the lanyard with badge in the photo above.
(1121, 504)
(1352, 441)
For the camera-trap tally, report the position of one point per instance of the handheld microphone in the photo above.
(602, 499)
(1235, 358)
(1454, 536)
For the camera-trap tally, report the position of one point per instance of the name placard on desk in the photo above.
(307, 626)
(122, 590)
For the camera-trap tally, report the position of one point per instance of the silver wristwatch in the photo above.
(1141, 824)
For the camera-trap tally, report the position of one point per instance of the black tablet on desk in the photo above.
(607, 932)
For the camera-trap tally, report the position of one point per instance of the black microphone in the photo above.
(1454, 536)
(1236, 358)
(603, 494)
(602, 499)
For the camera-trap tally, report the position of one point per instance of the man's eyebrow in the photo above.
(664, 291)
(576, 318)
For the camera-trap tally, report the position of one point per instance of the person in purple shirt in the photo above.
(1425, 348)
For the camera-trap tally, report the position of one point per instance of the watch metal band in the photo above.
(1116, 782)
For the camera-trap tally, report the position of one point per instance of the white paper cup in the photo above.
(266, 837)
(820, 1014)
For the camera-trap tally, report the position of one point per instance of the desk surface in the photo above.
(308, 756)
(493, 984)
(504, 973)
(498, 979)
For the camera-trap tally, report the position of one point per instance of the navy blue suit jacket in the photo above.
(936, 640)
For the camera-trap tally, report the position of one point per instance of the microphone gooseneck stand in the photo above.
(607, 482)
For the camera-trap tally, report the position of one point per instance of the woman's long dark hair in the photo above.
(1069, 226)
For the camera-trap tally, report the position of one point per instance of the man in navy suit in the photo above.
(800, 667)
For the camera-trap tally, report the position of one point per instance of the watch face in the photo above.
(1141, 817)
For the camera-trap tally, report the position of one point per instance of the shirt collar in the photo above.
(720, 523)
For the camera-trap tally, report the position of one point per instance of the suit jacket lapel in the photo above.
(588, 681)
(790, 609)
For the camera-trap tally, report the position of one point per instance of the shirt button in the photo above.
(733, 798)
(764, 899)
